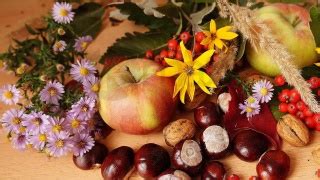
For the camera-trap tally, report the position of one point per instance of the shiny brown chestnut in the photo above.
(151, 160)
(249, 145)
(92, 158)
(213, 170)
(173, 174)
(214, 141)
(273, 165)
(187, 156)
(118, 163)
(206, 115)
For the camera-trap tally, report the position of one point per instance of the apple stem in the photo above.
(134, 79)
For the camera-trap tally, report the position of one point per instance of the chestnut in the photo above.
(249, 145)
(118, 163)
(92, 158)
(273, 165)
(173, 174)
(187, 157)
(151, 160)
(213, 170)
(206, 115)
(215, 142)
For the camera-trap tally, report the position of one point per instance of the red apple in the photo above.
(134, 100)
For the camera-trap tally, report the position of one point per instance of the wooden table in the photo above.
(32, 165)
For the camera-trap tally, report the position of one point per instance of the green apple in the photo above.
(290, 25)
(134, 100)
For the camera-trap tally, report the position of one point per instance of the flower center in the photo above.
(75, 123)
(63, 12)
(36, 121)
(249, 109)
(42, 137)
(61, 31)
(16, 120)
(52, 91)
(8, 95)
(84, 45)
(251, 100)
(58, 45)
(95, 87)
(85, 108)
(264, 91)
(81, 144)
(84, 71)
(57, 128)
(59, 143)
(189, 70)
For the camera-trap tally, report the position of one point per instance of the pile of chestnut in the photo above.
(193, 156)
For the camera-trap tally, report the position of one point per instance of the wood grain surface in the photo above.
(30, 165)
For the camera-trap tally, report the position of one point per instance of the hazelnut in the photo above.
(178, 130)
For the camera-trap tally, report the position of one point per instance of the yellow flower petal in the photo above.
(169, 71)
(211, 45)
(206, 41)
(197, 79)
(191, 88)
(318, 50)
(186, 54)
(175, 63)
(179, 83)
(227, 35)
(223, 30)
(205, 79)
(184, 90)
(219, 43)
(203, 59)
(317, 64)
(213, 26)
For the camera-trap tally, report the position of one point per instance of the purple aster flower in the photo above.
(38, 141)
(83, 142)
(84, 108)
(83, 70)
(62, 13)
(52, 92)
(75, 124)
(57, 125)
(59, 46)
(20, 141)
(9, 94)
(59, 144)
(262, 91)
(82, 43)
(36, 122)
(249, 108)
(91, 87)
(12, 120)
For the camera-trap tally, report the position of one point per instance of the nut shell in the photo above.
(293, 131)
(178, 130)
(316, 155)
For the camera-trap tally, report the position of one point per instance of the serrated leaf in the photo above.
(31, 30)
(242, 47)
(137, 15)
(88, 19)
(169, 10)
(135, 45)
(315, 23)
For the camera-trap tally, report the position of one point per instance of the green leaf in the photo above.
(88, 19)
(221, 22)
(310, 71)
(242, 47)
(196, 18)
(137, 15)
(31, 30)
(135, 45)
(169, 10)
(315, 23)
(257, 5)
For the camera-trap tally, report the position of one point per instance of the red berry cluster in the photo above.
(290, 102)
(173, 50)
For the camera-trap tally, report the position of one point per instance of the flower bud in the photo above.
(61, 31)
(60, 67)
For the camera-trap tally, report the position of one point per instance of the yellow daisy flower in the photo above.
(214, 37)
(189, 73)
